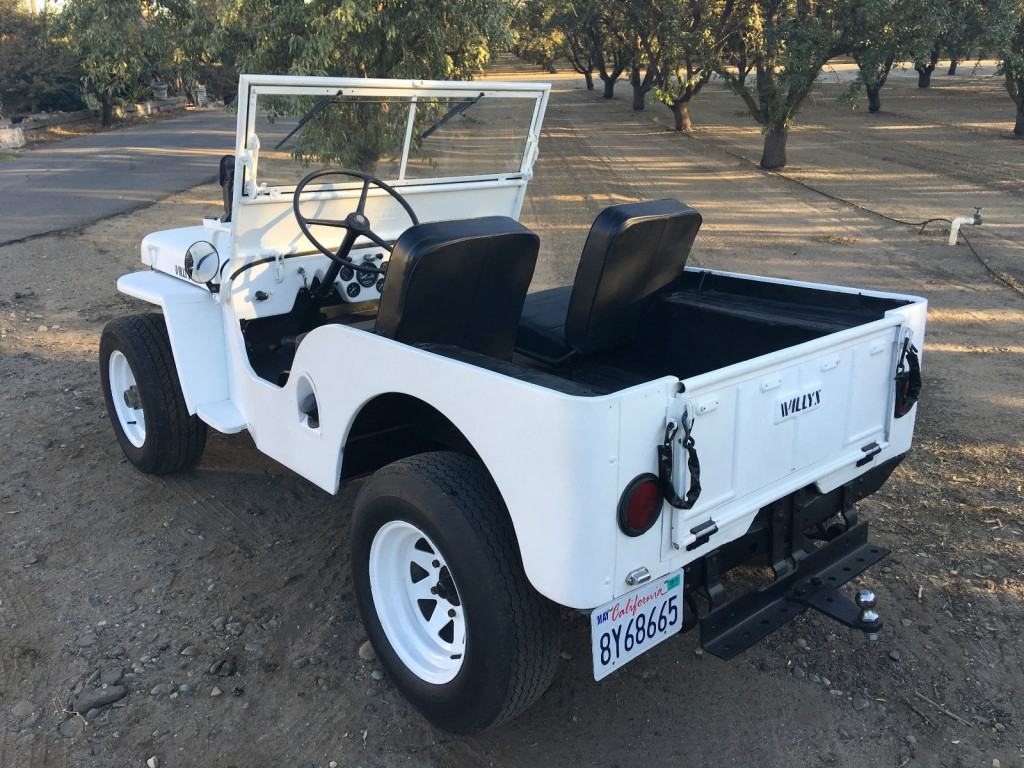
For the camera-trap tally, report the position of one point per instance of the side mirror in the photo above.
(202, 262)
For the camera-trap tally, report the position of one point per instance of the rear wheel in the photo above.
(144, 402)
(443, 595)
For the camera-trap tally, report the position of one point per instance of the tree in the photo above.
(609, 45)
(785, 43)
(537, 36)
(112, 43)
(696, 33)
(187, 45)
(1004, 22)
(879, 33)
(645, 24)
(573, 20)
(37, 71)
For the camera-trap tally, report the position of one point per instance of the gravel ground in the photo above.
(208, 619)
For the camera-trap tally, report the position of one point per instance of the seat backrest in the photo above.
(633, 251)
(459, 282)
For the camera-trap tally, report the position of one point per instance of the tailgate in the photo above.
(769, 426)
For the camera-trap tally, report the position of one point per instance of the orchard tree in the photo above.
(187, 43)
(113, 45)
(963, 31)
(573, 20)
(1004, 22)
(537, 38)
(696, 35)
(645, 25)
(880, 33)
(37, 70)
(785, 43)
(609, 45)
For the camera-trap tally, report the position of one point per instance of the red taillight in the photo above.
(640, 505)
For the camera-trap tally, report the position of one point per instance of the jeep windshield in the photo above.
(472, 132)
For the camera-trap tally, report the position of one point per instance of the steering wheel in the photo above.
(356, 224)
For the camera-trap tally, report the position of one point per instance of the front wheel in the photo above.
(143, 396)
(442, 592)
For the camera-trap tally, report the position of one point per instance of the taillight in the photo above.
(640, 505)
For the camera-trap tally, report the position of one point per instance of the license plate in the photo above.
(636, 622)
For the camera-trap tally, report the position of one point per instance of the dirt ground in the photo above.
(234, 578)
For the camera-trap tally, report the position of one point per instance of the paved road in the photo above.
(72, 183)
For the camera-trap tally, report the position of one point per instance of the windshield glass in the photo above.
(397, 138)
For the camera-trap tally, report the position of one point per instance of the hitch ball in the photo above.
(869, 619)
(866, 599)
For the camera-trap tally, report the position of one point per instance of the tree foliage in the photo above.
(113, 44)
(1003, 21)
(37, 71)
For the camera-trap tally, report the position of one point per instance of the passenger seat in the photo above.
(633, 251)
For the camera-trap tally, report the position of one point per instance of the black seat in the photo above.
(459, 282)
(632, 252)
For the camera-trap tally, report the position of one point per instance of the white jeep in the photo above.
(615, 446)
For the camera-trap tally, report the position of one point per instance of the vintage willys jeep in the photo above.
(615, 446)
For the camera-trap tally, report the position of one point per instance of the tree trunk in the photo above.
(874, 97)
(609, 89)
(1018, 128)
(924, 77)
(638, 97)
(589, 77)
(952, 66)
(774, 155)
(681, 113)
(106, 109)
(549, 67)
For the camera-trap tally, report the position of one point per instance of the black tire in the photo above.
(174, 440)
(512, 632)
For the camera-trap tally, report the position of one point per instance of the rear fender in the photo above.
(195, 327)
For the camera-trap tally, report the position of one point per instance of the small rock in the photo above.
(300, 662)
(224, 667)
(185, 689)
(366, 652)
(93, 714)
(1000, 727)
(860, 703)
(377, 674)
(895, 655)
(215, 691)
(42, 329)
(315, 660)
(996, 763)
(799, 673)
(153, 762)
(219, 623)
(189, 650)
(906, 622)
(254, 647)
(911, 739)
(86, 640)
(334, 764)
(95, 698)
(22, 709)
(803, 644)
(111, 675)
(72, 727)
(566, 655)
(235, 628)
(162, 689)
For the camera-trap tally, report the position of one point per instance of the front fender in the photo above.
(195, 326)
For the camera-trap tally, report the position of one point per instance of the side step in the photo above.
(736, 626)
(222, 416)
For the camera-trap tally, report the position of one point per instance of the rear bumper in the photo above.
(807, 573)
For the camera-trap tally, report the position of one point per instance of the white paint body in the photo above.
(560, 462)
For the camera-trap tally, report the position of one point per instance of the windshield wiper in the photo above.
(319, 107)
(458, 109)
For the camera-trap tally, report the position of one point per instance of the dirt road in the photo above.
(242, 568)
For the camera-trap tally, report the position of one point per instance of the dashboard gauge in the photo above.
(352, 289)
(346, 274)
(366, 278)
(380, 285)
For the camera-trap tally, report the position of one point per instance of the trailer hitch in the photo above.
(666, 460)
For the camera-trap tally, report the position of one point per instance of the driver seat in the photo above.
(459, 283)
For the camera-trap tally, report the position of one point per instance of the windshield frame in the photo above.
(252, 87)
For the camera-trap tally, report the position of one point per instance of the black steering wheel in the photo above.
(356, 224)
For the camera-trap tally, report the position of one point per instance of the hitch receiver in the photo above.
(737, 625)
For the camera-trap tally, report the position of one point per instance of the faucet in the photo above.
(954, 227)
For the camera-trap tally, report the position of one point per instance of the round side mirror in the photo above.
(202, 262)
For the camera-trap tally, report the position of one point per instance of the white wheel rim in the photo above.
(124, 393)
(417, 602)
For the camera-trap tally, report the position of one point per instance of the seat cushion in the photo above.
(632, 252)
(460, 283)
(542, 326)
